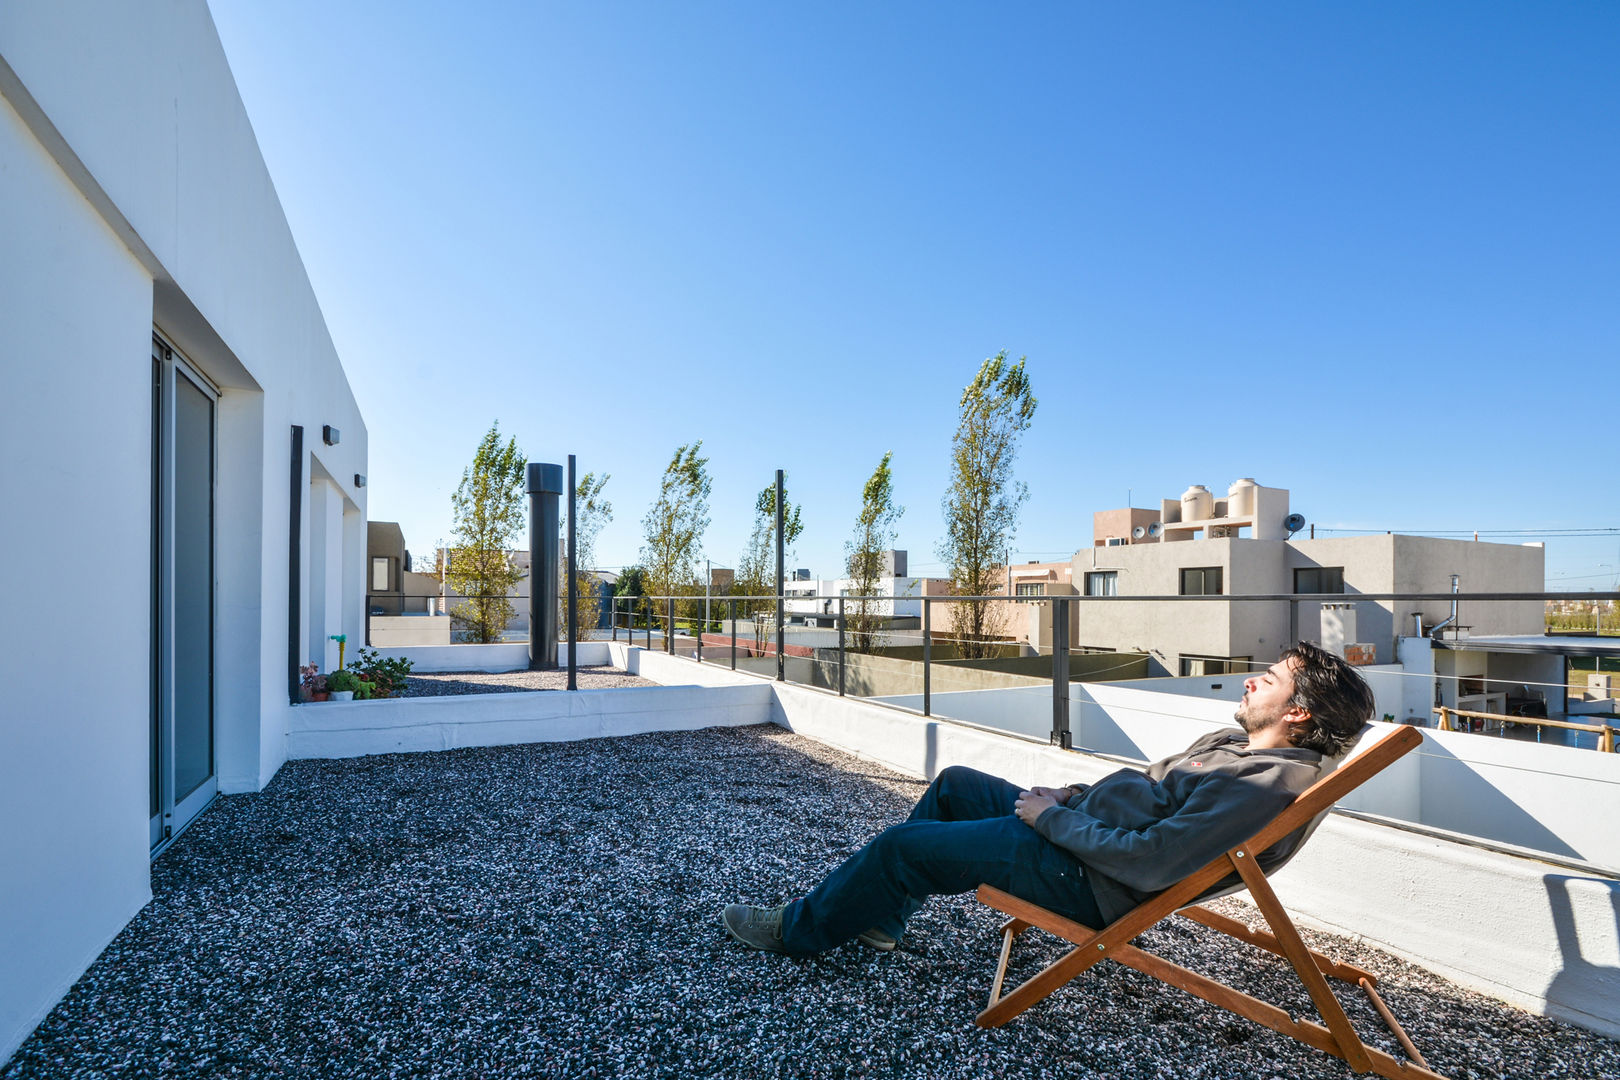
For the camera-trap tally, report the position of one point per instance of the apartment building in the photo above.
(1249, 543)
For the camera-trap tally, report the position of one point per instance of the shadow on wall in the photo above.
(1455, 796)
(1581, 980)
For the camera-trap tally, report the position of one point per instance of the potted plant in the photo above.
(342, 685)
(312, 684)
(389, 676)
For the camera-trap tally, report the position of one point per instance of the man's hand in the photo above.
(1060, 795)
(1032, 804)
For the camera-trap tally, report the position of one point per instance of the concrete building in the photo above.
(1246, 544)
(183, 456)
(897, 599)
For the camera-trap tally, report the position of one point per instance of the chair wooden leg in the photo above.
(1352, 1049)
(1393, 1024)
(1262, 940)
(1011, 929)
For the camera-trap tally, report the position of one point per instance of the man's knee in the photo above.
(954, 776)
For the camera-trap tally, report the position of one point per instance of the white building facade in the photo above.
(184, 458)
(1250, 544)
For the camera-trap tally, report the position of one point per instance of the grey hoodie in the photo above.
(1136, 834)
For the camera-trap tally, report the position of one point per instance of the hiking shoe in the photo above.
(756, 927)
(877, 939)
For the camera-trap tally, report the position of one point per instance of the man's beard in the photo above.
(1248, 721)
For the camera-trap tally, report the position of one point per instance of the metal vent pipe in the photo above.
(545, 488)
(1434, 631)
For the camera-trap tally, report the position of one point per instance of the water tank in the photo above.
(1240, 498)
(1197, 503)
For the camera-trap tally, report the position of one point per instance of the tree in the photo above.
(756, 570)
(863, 556)
(592, 513)
(674, 527)
(632, 585)
(488, 516)
(981, 504)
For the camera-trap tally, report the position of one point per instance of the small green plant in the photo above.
(339, 681)
(388, 675)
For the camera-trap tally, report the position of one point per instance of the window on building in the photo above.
(1030, 588)
(1102, 583)
(1201, 581)
(379, 573)
(1319, 579)
(1193, 666)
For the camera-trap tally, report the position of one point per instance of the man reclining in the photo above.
(1093, 852)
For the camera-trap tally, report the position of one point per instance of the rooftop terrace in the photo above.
(551, 910)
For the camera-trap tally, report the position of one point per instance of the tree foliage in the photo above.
(673, 528)
(488, 517)
(981, 504)
(863, 555)
(756, 569)
(592, 512)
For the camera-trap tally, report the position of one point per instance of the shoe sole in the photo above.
(883, 944)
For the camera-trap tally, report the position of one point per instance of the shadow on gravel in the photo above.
(552, 910)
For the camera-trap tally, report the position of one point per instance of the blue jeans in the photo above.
(962, 833)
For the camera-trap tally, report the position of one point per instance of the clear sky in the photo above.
(1368, 252)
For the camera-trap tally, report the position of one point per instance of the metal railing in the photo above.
(663, 612)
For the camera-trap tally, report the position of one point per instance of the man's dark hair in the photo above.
(1334, 693)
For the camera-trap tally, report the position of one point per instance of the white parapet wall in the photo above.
(400, 725)
(504, 656)
(1526, 931)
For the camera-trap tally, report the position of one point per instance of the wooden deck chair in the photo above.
(1113, 941)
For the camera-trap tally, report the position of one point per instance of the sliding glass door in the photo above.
(182, 688)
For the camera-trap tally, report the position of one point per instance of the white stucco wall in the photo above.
(73, 749)
(133, 198)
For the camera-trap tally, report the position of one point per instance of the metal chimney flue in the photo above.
(545, 489)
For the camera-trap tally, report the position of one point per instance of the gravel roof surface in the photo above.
(443, 683)
(552, 910)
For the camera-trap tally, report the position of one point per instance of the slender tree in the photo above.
(593, 512)
(673, 528)
(488, 517)
(981, 504)
(756, 569)
(863, 556)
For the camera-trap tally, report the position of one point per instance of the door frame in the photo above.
(171, 818)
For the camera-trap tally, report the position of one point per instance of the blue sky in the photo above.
(1369, 252)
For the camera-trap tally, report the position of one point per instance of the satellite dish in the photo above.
(1293, 523)
(1138, 532)
(1156, 528)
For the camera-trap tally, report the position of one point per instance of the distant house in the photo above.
(1247, 543)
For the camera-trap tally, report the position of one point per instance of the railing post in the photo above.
(702, 630)
(573, 581)
(781, 585)
(613, 617)
(1445, 718)
(669, 625)
(840, 646)
(649, 607)
(734, 635)
(928, 655)
(1061, 736)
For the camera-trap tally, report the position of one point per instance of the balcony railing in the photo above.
(750, 628)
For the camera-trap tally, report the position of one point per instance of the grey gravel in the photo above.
(552, 910)
(440, 684)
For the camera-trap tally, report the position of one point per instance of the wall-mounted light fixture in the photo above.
(359, 480)
(331, 435)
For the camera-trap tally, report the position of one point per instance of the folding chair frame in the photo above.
(1113, 941)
